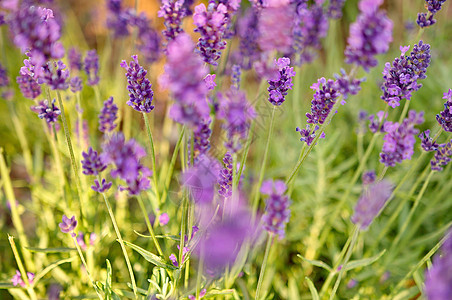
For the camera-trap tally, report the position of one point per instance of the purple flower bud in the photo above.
(75, 59)
(444, 118)
(47, 112)
(369, 177)
(55, 75)
(101, 187)
(425, 20)
(91, 67)
(140, 92)
(81, 240)
(28, 86)
(371, 202)
(277, 211)
(163, 219)
(4, 80)
(442, 156)
(17, 279)
(68, 225)
(108, 116)
(427, 142)
(92, 163)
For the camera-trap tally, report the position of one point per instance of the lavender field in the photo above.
(254, 149)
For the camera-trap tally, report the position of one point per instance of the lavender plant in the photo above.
(178, 175)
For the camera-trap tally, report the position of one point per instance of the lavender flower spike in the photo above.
(92, 67)
(47, 112)
(68, 225)
(371, 202)
(92, 163)
(173, 12)
(55, 75)
(108, 116)
(438, 279)
(277, 212)
(282, 83)
(442, 157)
(211, 23)
(369, 35)
(139, 87)
(444, 118)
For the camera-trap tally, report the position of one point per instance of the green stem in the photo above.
(264, 265)
(23, 273)
(17, 222)
(86, 267)
(172, 164)
(154, 167)
(71, 153)
(121, 242)
(411, 213)
(405, 110)
(200, 270)
(263, 164)
(347, 258)
(149, 225)
(183, 226)
(245, 153)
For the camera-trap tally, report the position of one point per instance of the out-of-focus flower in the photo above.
(202, 293)
(101, 187)
(369, 177)
(371, 202)
(108, 116)
(76, 84)
(75, 59)
(369, 36)
(248, 34)
(225, 177)
(399, 139)
(438, 279)
(201, 143)
(17, 279)
(173, 12)
(277, 211)
(442, 156)
(55, 75)
(163, 219)
(275, 27)
(201, 179)
(91, 67)
(444, 118)
(335, 9)
(376, 121)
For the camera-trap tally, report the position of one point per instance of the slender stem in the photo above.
(245, 153)
(23, 273)
(17, 222)
(97, 93)
(71, 153)
(405, 110)
(86, 266)
(172, 164)
(149, 225)
(263, 164)
(382, 173)
(264, 264)
(200, 271)
(411, 213)
(154, 167)
(347, 258)
(121, 242)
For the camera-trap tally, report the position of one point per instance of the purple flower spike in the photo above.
(427, 142)
(307, 135)
(401, 79)
(433, 6)
(35, 29)
(92, 163)
(28, 86)
(279, 86)
(76, 84)
(211, 23)
(173, 12)
(325, 97)
(399, 139)
(277, 211)
(4, 80)
(347, 85)
(369, 177)
(55, 75)
(108, 116)
(184, 77)
(438, 279)
(68, 225)
(369, 36)
(442, 156)
(335, 9)
(376, 121)
(101, 187)
(91, 67)
(236, 73)
(248, 34)
(140, 92)
(75, 59)
(47, 112)
(225, 177)
(444, 118)
(209, 80)
(371, 202)
(201, 143)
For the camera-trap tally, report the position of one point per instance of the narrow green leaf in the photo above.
(50, 250)
(169, 237)
(7, 285)
(150, 257)
(107, 287)
(317, 263)
(139, 290)
(314, 293)
(363, 262)
(214, 293)
(50, 268)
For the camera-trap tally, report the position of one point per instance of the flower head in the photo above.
(76, 84)
(201, 180)
(225, 177)
(173, 12)
(47, 112)
(444, 118)
(55, 75)
(275, 27)
(277, 211)
(108, 116)
(442, 156)
(92, 163)
(17, 279)
(279, 86)
(91, 66)
(68, 225)
(140, 92)
(75, 59)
